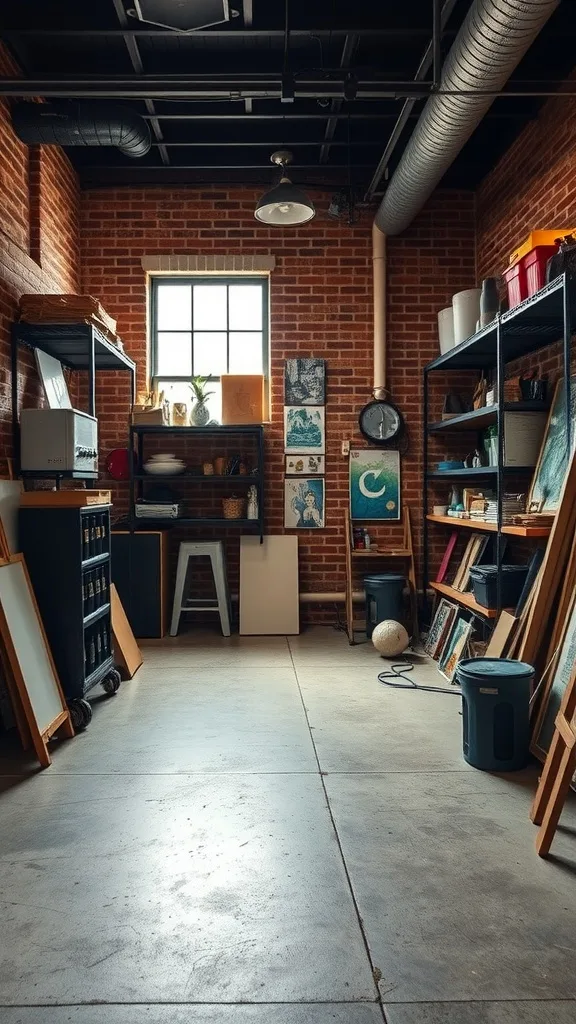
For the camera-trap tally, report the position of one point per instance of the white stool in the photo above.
(214, 550)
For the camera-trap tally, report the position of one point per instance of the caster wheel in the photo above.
(111, 684)
(80, 713)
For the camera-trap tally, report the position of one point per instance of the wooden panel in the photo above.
(141, 574)
(467, 600)
(269, 586)
(127, 654)
(242, 398)
(473, 524)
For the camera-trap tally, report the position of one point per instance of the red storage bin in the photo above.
(515, 277)
(535, 267)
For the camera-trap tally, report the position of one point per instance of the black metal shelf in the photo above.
(70, 343)
(480, 418)
(196, 478)
(66, 474)
(535, 323)
(195, 521)
(246, 428)
(99, 613)
(479, 471)
(88, 563)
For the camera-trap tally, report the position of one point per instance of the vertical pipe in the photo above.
(91, 372)
(437, 41)
(500, 471)
(379, 292)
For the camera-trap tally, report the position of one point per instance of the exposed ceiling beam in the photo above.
(136, 61)
(348, 51)
(259, 33)
(352, 116)
(426, 63)
(281, 144)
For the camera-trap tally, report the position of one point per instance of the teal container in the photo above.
(495, 712)
(383, 598)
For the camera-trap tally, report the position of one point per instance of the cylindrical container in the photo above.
(446, 329)
(489, 301)
(219, 465)
(233, 508)
(383, 598)
(495, 712)
(207, 469)
(466, 307)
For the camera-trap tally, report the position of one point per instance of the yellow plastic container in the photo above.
(538, 238)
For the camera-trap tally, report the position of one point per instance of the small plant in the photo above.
(197, 386)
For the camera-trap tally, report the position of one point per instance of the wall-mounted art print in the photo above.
(305, 465)
(304, 504)
(374, 484)
(304, 430)
(305, 382)
(455, 647)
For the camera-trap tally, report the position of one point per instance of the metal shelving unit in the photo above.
(544, 319)
(199, 437)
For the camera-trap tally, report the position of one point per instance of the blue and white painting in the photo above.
(374, 484)
(305, 382)
(304, 504)
(304, 430)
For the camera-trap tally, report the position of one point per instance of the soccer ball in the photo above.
(390, 638)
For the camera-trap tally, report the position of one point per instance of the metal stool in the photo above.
(214, 550)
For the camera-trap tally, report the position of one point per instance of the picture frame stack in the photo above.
(304, 443)
(449, 637)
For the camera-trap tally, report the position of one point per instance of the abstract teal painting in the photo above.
(304, 430)
(374, 484)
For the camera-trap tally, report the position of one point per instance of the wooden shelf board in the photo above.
(467, 600)
(394, 553)
(473, 524)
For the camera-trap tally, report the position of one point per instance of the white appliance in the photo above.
(58, 440)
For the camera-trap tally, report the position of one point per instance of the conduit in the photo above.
(379, 292)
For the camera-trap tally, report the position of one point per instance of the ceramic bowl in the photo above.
(164, 468)
(163, 457)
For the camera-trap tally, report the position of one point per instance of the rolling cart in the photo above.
(67, 551)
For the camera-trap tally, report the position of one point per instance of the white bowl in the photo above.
(164, 468)
(163, 457)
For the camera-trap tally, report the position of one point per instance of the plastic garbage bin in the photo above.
(495, 712)
(383, 598)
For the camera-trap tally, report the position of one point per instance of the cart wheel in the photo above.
(80, 713)
(111, 684)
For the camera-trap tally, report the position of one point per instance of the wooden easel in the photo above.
(558, 771)
(406, 552)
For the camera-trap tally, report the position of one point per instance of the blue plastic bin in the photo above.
(495, 712)
(383, 598)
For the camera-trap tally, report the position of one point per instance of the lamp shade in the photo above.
(284, 205)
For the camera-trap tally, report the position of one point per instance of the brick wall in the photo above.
(321, 305)
(39, 251)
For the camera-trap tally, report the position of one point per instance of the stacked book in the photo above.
(486, 510)
(159, 510)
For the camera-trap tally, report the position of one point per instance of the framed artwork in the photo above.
(304, 430)
(374, 484)
(454, 647)
(305, 465)
(552, 462)
(441, 626)
(304, 503)
(305, 382)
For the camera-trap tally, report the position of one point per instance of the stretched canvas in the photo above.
(374, 484)
(304, 430)
(305, 382)
(440, 628)
(454, 647)
(304, 465)
(304, 504)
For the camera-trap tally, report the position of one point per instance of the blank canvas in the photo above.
(269, 586)
(10, 494)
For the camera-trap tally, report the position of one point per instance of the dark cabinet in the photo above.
(140, 572)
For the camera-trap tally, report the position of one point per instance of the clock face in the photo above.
(380, 422)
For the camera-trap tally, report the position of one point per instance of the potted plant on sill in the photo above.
(199, 413)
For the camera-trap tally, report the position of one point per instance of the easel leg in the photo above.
(556, 803)
(547, 779)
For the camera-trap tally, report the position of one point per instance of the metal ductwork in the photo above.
(81, 124)
(493, 38)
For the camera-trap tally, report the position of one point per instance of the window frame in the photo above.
(206, 279)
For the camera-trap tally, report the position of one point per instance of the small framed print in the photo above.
(304, 503)
(304, 430)
(305, 465)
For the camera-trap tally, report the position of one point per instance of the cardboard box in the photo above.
(242, 398)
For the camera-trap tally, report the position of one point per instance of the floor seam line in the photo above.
(378, 999)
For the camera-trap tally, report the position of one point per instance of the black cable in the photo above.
(398, 671)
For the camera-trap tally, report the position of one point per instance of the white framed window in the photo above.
(207, 326)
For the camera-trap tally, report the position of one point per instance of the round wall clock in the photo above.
(380, 422)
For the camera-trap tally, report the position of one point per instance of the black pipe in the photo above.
(81, 124)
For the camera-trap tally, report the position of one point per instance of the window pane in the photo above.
(245, 307)
(174, 355)
(174, 307)
(180, 392)
(209, 354)
(245, 352)
(210, 313)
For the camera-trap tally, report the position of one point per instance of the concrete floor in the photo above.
(256, 831)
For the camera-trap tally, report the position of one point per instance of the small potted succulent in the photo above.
(199, 414)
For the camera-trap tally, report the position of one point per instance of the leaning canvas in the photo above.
(305, 382)
(304, 430)
(304, 504)
(374, 484)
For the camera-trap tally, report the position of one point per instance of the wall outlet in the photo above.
(345, 447)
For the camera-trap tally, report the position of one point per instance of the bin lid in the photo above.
(483, 571)
(384, 577)
(479, 668)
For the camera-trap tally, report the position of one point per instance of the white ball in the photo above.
(390, 638)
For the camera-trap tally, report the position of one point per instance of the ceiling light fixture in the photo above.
(285, 205)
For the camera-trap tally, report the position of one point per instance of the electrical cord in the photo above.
(399, 670)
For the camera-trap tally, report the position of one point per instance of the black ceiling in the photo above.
(332, 47)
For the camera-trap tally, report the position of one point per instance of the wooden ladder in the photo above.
(406, 552)
(558, 770)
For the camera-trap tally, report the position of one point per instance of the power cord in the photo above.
(399, 670)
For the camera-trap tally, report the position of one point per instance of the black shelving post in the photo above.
(425, 501)
(500, 419)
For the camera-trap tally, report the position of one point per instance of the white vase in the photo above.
(199, 414)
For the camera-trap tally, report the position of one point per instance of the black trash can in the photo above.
(495, 712)
(383, 598)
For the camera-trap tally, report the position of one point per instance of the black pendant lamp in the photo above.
(285, 205)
